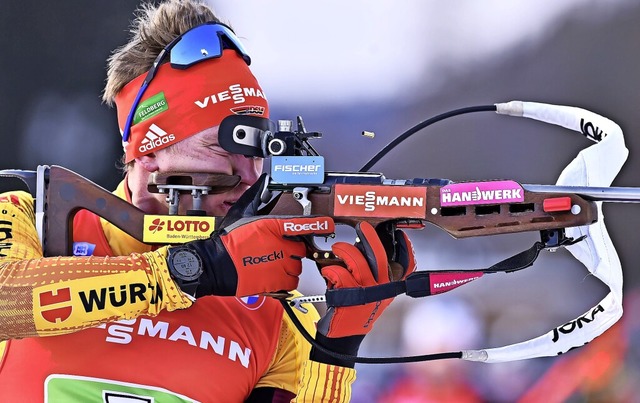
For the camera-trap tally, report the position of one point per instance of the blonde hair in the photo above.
(153, 28)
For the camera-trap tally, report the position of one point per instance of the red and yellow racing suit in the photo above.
(114, 326)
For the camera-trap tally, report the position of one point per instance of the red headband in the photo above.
(180, 103)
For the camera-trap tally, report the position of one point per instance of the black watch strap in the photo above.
(189, 287)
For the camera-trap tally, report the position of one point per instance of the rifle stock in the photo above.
(67, 193)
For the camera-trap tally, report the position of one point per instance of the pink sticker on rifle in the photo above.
(463, 194)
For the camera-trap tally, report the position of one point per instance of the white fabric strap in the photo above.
(596, 165)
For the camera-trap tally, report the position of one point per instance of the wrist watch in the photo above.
(185, 266)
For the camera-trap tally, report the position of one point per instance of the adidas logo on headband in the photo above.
(155, 137)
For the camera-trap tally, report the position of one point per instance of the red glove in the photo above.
(267, 252)
(253, 254)
(366, 265)
(256, 255)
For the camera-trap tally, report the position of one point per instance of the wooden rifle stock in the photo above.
(67, 193)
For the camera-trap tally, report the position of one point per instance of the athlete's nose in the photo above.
(248, 169)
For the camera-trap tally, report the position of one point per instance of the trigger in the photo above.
(387, 234)
(315, 252)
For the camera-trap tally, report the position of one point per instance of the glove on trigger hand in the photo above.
(342, 329)
(251, 254)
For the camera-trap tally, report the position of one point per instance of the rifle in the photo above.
(565, 214)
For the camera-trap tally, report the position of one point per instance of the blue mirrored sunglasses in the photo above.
(206, 41)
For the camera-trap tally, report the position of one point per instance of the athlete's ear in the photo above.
(149, 162)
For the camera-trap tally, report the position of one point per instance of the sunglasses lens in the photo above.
(204, 42)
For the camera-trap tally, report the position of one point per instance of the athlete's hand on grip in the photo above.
(251, 254)
(342, 329)
(257, 255)
(366, 265)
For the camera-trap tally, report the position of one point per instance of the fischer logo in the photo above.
(461, 194)
(126, 331)
(236, 93)
(314, 226)
(271, 257)
(576, 324)
(155, 137)
(298, 168)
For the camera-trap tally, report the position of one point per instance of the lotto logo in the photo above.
(171, 229)
(156, 225)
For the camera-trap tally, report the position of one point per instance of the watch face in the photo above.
(186, 265)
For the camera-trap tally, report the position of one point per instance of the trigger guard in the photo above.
(317, 251)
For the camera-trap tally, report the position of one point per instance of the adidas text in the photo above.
(155, 137)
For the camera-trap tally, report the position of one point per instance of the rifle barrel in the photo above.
(605, 194)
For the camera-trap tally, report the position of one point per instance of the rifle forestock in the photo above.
(412, 203)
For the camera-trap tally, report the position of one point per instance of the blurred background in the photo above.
(384, 66)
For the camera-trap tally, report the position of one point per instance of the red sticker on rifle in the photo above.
(380, 201)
